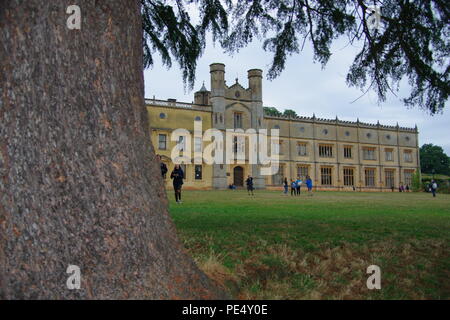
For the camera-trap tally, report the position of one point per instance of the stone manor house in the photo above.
(337, 155)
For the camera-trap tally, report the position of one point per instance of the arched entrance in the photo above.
(238, 176)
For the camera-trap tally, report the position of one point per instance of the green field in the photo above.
(272, 246)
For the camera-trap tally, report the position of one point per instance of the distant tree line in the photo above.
(274, 112)
(433, 157)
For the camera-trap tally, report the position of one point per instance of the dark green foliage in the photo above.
(411, 42)
(272, 111)
(416, 181)
(290, 113)
(434, 158)
(169, 31)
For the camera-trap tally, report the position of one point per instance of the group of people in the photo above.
(177, 175)
(296, 186)
(402, 188)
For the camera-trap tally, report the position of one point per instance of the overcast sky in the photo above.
(304, 87)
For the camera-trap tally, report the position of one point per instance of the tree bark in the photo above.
(79, 183)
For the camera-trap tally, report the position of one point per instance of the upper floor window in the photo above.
(162, 142)
(389, 155)
(276, 147)
(369, 153)
(408, 156)
(238, 120)
(181, 143)
(301, 149)
(239, 145)
(280, 147)
(197, 144)
(325, 151)
(348, 152)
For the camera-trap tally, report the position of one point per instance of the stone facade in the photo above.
(338, 155)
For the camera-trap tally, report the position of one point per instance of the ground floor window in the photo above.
(408, 177)
(198, 172)
(349, 178)
(302, 172)
(389, 178)
(369, 177)
(325, 175)
(277, 178)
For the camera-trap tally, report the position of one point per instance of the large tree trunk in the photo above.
(79, 184)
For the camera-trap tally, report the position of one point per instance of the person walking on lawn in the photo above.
(249, 183)
(299, 185)
(286, 186)
(309, 185)
(293, 187)
(177, 175)
(434, 187)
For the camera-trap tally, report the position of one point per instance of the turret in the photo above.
(202, 96)
(217, 102)
(255, 83)
(217, 71)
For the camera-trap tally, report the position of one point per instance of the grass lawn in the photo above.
(272, 246)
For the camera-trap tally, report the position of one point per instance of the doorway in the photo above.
(238, 176)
